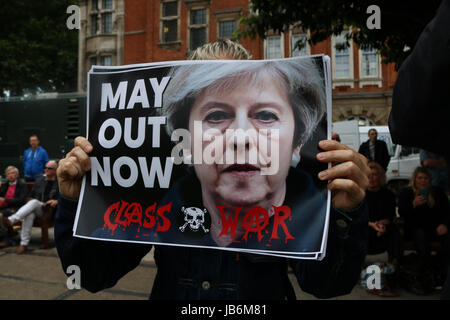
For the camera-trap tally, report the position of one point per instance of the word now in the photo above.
(148, 172)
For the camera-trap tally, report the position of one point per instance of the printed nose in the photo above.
(241, 146)
(240, 127)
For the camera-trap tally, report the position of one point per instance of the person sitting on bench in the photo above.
(44, 193)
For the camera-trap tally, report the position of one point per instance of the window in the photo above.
(226, 28)
(107, 4)
(227, 22)
(93, 61)
(369, 68)
(101, 18)
(342, 61)
(107, 22)
(198, 16)
(94, 24)
(106, 60)
(169, 21)
(342, 58)
(274, 47)
(369, 63)
(170, 30)
(197, 28)
(303, 51)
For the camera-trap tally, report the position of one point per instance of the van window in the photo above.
(406, 151)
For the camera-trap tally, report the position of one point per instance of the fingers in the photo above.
(349, 186)
(83, 143)
(79, 155)
(77, 161)
(337, 152)
(348, 170)
(69, 168)
(352, 165)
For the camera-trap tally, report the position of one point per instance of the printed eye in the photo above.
(217, 116)
(266, 116)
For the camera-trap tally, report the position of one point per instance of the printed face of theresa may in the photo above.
(261, 106)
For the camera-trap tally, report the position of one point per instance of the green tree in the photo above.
(401, 22)
(37, 50)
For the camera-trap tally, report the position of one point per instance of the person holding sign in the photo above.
(199, 273)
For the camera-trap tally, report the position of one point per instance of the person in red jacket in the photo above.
(12, 196)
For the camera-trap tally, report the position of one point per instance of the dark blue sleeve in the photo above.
(102, 263)
(339, 271)
(421, 94)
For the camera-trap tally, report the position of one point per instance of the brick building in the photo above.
(100, 39)
(163, 30)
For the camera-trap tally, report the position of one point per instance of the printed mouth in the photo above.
(242, 168)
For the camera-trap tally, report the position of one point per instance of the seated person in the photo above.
(383, 233)
(426, 211)
(438, 168)
(12, 196)
(44, 193)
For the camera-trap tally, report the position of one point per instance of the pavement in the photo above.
(38, 275)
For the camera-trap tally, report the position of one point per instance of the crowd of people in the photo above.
(24, 200)
(418, 215)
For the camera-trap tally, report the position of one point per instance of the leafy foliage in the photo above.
(401, 22)
(36, 47)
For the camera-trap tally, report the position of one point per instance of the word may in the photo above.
(122, 213)
(255, 221)
(138, 95)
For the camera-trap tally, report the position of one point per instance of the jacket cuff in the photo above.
(347, 222)
(67, 209)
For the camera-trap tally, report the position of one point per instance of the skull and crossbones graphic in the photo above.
(194, 218)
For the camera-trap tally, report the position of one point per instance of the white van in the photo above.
(404, 160)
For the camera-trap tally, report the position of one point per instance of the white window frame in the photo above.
(266, 45)
(347, 81)
(369, 80)
(292, 42)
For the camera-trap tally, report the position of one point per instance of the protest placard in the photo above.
(214, 154)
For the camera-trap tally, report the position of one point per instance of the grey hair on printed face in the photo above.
(300, 78)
